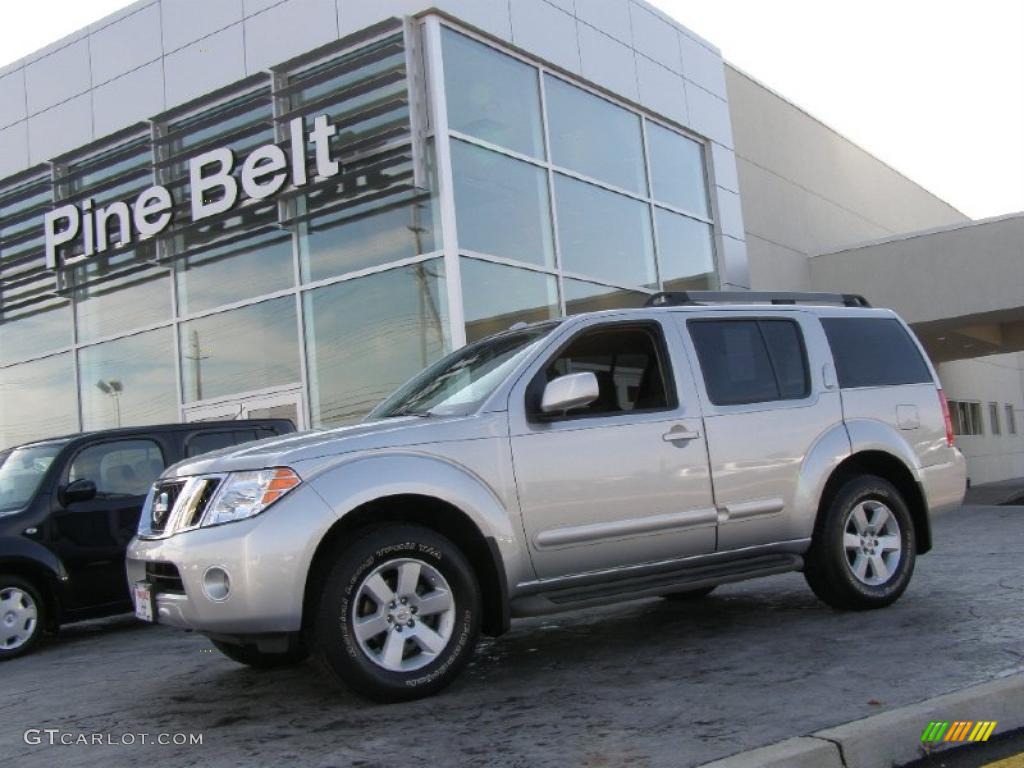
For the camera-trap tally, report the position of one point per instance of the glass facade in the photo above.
(559, 199)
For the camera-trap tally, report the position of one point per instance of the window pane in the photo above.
(786, 348)
(243, 350)
(492, 96)
(875, 351)
(33, 331)
(496, 297)
(122, 468)
(734, 361)
(234, 272)
(502, 205)
(128, 382)
(589, 297)
(205, 442)
(627, 365)
(993, 415)
(677, 170)
(337, 243)
(604, 234)
(37, 400)
(594, 137)
(367, 336)
(1011, 420)
(686, 252)
(123, 304)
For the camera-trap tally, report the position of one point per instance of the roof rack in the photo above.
(698, 298)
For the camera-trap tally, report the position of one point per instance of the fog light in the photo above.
(216, 584)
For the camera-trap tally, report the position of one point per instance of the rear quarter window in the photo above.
(874, 352)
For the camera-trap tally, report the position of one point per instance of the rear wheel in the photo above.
(863, 551)
(21, 616)
(399, 616)
(690, 595)
(253, 657)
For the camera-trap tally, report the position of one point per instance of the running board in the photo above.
(654, 584)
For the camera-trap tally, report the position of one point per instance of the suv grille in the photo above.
(177, 505)
(165, 496)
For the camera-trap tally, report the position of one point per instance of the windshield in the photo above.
(22, 472)
(458, 384)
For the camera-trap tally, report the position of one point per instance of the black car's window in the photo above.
(119, 467)
(751, 360)
(874, 352)
(628, 364)
(204, 442)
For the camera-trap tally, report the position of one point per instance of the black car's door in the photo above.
(91, 536)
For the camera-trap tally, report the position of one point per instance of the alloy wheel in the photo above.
(873, 542)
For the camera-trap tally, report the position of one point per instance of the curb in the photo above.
(890, 738)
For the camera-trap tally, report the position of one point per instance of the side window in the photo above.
(119, 468)
(751, 360)
(204, 442)
(874, 352)
(628, 363)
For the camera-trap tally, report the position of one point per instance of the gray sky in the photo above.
(933, 87)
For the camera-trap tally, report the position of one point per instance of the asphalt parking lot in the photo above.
(648, 683)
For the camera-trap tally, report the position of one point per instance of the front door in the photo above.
(625, 480)
(279, 405)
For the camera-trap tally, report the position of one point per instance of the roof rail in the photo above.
(697, 298)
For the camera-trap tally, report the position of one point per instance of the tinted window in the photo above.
(119, 468)
(751, 361)
(205, 442)
(874, 352)
(629, 369)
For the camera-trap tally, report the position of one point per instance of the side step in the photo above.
(653, 584)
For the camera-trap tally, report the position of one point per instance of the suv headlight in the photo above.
(244, 494)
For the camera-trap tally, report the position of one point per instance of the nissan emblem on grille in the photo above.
(161, 505)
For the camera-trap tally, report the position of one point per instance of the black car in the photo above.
(68, 508)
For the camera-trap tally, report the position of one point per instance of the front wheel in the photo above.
(863, 551)
(21, 616)
(399, 615)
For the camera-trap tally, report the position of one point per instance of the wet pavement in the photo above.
(648, 683)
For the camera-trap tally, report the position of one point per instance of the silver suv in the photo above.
(609, 456)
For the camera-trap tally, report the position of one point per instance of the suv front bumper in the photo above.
(266, 558)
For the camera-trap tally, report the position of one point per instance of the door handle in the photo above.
(680, 434)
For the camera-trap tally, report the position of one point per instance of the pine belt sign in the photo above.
(214, 190)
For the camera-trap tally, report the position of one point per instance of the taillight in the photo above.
(946, 415)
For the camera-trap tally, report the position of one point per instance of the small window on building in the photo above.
(1011, 420)
(751, 361)
(966, 418)
(874, 352)
(993, 414)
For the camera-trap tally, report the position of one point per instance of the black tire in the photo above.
(828, 567)
(690, 595)
(15, 620)
(335, 645)
(253, 657)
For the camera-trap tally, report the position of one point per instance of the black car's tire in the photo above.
(22, 616)
(854, 562)
(690, 595)
(253, 657)
(417, 603)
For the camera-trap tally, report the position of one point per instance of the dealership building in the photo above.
(288, 207)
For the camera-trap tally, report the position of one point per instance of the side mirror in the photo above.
(567, 392)
(78, 490)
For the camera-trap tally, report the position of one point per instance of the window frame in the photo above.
(65, 472)
(757, 319)
(535, 389)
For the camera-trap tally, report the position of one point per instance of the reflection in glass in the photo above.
(128, 382)
(604, 234)
(502, 206)
(235, 271)
(686, 252)
(496, 297)
(123, 304)
(594, 137)
(589, 297)
(492, 96)
(365, 337)
(677, 170)
(37, 400)
(33, 331)
(242, 350)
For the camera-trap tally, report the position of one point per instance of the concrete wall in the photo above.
(807, 190)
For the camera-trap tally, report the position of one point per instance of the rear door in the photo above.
(768, 394)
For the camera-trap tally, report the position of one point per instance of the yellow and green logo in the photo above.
(958, 730)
